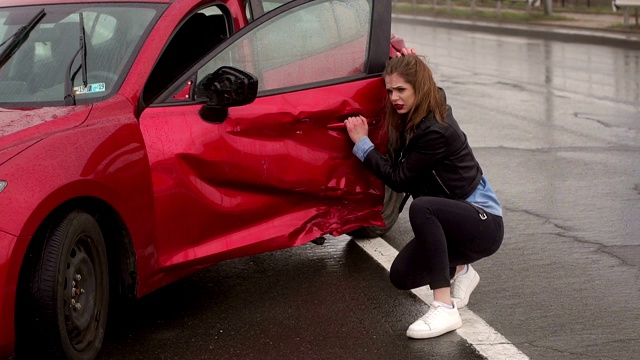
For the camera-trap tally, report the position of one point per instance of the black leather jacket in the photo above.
(437, 161)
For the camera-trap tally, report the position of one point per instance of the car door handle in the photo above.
(340, 125)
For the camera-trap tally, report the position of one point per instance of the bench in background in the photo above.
(625, 5)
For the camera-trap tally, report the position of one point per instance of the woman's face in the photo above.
(401, 93)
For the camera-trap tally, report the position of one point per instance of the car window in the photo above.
(318, 41)
(198, 34)
(38, 71)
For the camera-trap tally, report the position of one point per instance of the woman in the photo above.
(455, 215)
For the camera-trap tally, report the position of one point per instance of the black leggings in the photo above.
(447, 233)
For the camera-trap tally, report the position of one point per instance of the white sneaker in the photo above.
(463, 285)
(437, 321)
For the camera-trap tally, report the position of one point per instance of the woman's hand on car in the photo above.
(357, 127)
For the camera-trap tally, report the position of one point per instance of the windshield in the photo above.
(38, 70)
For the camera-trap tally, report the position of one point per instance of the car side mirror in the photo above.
(224, 88)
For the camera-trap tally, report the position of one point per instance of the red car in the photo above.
(143, 140)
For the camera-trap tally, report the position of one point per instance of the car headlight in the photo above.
(3, 184)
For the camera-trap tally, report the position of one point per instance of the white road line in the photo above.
(476, 331)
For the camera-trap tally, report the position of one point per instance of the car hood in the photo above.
(20, 128)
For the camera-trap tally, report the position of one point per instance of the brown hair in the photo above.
(414, 70)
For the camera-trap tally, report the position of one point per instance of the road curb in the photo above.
(630, 41)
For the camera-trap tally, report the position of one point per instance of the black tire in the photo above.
(69, 291)
(390, 215)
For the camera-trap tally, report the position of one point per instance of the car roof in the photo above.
(6, 3)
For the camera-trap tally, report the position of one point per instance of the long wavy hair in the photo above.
(414, 70)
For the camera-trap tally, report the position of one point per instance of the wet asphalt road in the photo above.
(556, 129)
(310, 302)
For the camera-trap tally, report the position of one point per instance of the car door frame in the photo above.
(379, 39)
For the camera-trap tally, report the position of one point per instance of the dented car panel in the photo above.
(274, 167)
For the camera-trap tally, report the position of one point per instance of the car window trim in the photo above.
(279, 91)
(379, 38)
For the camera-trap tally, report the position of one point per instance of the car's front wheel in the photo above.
(390, 214)
(69, 293)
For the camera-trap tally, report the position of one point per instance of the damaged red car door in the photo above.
(276, 172)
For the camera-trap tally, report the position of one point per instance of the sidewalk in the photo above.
(606, 22)
(579, 27)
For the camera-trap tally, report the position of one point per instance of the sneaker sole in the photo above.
(429, 334)
(460, 303)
